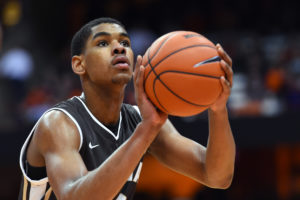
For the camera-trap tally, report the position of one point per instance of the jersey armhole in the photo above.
(26, 143)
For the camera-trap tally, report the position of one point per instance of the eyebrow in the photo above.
(108, 34)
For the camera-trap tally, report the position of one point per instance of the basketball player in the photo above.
(92, 146)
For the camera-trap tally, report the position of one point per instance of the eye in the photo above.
(125, 43)
(102, 43)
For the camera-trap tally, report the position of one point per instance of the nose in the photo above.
(118, 49)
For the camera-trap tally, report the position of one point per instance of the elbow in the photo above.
(68, 192)
(64, 196)
(223, 183)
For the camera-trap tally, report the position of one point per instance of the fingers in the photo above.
(139, 82)
(226, 64)
(138, 76)
(228, 72)
(137, 66)
(226, 86)
(224, 55)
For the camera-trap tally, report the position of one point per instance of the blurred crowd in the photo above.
(266, 82)
(35, 63)
(262, 37)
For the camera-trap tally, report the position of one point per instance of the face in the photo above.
(108, 57)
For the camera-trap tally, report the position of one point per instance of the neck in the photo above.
(105, 104)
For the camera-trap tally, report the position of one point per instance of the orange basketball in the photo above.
(182, 73)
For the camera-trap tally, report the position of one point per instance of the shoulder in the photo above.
(56, 130)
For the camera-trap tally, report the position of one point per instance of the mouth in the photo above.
(121, 62)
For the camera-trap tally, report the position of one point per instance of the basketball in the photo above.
(182, 73)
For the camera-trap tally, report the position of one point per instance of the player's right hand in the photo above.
(148, 111)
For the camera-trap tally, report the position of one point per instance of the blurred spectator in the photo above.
(239, 101)
(293, 83)
(275, 78)
(271, 105)
(36, 103)
(16, 64)
(265, 49)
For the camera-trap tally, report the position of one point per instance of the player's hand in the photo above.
(148, 111)
(227, 81)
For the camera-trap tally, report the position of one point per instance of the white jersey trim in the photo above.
(137, 109)
(138, 172)
(75, 122)
(99, 123)
(121, 197)
(44, 180)
(37, 191)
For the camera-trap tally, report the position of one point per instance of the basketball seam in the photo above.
(150, 59)
(157, 97)
(149, 62)
(190, 73)
(174, 52)
(198, 105)
(163, 42)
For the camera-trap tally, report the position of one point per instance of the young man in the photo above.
(91, 147)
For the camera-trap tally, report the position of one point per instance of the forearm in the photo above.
(220, 153)
(107, 180)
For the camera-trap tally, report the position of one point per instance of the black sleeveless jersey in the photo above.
(97, 144)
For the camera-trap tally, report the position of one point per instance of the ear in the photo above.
(78, 65)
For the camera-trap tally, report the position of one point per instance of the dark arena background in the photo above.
(261, 36)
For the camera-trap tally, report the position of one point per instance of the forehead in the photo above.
(107, 27)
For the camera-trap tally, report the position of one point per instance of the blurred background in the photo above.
(261, 36)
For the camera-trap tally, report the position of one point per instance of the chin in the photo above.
(122, 79)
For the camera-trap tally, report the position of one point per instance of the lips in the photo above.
(121, 61)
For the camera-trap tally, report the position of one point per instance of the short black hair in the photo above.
(79, 39)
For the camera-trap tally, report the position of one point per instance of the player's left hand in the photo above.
(226, 81)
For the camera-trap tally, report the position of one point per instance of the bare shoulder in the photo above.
(54, 133)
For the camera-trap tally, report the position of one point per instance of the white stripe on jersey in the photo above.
(99, 123)
(137, 109)
(37, 191)
(137, 174)
(121, 197)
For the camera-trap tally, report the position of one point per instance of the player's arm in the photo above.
(57, 141)
(214, 165)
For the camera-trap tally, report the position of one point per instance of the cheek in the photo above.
(97, 62)
(130, 56)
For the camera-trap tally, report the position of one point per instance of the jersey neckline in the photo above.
(98, 122)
